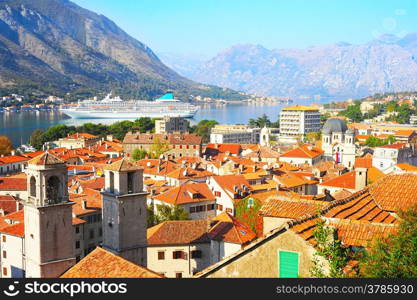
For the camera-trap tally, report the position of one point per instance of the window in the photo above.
(196, 254)
(192, 209)
(229, 210)
(77, 229)
(100, 231)
(178, 275)
(77, 245)
(217, 194)
(288, 264)
(4, 271)
(250, 202)
(4, 238)
(219, 207)
(161, 255)
(179, 255)
(4, 254)
(91, 233)
(210, 206)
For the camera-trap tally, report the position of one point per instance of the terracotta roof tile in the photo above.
(13, 184)
(15, 229)
(230, 230)
(304, 151)
(187, 193)
(101, 263)
(178, 233)
(395, 192)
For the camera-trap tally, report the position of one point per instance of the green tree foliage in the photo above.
(395, 256)
(139, 154)
(353, 112)
(260, 122)
(313, 137)
(158, 148)
(37, 139)
(118, 130)
(170, 213)
(324, 117)
(6, 145)
(203, 129)
(373, 141)
(329, 249)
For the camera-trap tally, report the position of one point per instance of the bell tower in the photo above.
(49, 236)
(124, 211)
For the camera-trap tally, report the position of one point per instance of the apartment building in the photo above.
(171, 125)
(234, 134)
(298, 120)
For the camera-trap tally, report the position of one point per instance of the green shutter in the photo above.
(288, 264)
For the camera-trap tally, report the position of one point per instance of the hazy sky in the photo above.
(209, 26)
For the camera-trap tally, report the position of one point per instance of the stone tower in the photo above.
(49, 236)
(264, 136)
(124, 211)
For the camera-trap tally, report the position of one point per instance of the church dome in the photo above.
(334, 125)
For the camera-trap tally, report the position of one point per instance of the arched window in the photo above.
(32, 186)
(111, 182)
(53, 189)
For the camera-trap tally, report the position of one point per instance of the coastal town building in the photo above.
(338, 142)
(386, 157)
(171, 125)
(305, 154)
(234, 134)
(77, 140)
(179, 144)
(296, 121)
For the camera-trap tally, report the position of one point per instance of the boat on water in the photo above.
(116, 108)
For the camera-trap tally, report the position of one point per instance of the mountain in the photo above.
(386, 64)
(55, 46)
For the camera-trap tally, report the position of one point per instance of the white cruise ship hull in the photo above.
(79, 114)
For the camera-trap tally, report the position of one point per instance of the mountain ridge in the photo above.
(385, 64)
(56, 46)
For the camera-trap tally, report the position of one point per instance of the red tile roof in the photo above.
(15, 229)
(223, 148)
(395, 192)
(9, 204)
(172, 139)
(228, 229)
(101, 263)
(187, 193)
(346, 181)
(178, 233)
(394, 146)
(12, 159)
(289, 208)
(304, 151)
(229, 182)
(13, 184)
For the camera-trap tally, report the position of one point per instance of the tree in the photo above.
(203, 129)
(170, 213)
(396, 255)
(260, 122)
(158, 148)
(353, 112)
(6, 145)
(139, 154)
(152, 218)
(331, 250)
(37, 139)
(313, 136)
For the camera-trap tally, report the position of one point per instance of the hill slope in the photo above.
(57, 46)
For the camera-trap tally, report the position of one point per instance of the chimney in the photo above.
(84, 204)
(361, 178)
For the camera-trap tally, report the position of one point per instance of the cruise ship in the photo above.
(116, 108)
